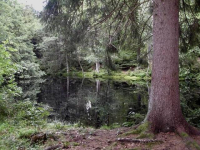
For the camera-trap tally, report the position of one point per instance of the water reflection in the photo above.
(96, 103)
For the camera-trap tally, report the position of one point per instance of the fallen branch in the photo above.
(139, 140)
(54, 147)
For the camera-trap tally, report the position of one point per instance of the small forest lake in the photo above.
(97, 103)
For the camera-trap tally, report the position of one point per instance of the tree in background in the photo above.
(126, 26)
(17, 27)
(189, 38)
(108, 28)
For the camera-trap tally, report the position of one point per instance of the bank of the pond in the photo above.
(115, 76)
(139, 75)
(56, 135)
(25, 125)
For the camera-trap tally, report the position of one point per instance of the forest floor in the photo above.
(116, 139)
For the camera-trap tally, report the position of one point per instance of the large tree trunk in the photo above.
(164, 114)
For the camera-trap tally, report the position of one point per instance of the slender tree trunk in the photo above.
(68, 81)
(164, 114)
(80, 65)
(97, 86)
(109, 62)
(149, 55)
(138, 52)
(97, 66)
(67, 63)
(79, 62)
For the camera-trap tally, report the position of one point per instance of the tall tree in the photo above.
(164, 114)
(95, 28)
(18, 25)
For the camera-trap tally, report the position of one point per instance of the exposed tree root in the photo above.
(177, 126)
(189, 142)
(136, 126)
(188, 129)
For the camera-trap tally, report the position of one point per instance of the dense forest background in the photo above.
(95, 39)
(75, 36)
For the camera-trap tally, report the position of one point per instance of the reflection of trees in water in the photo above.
(110, 101)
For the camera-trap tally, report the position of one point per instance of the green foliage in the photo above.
(189, 25)
(52, 52)
(183, 134)
(25, 113)
(138, 73)
(103, 74)
(18, 119)
(141, 129)
(26, 133)
(113, 126)
(82, 33)
(66, 144)
(105, 127)
(198, 76)
(127, 124)
(60, 126)
(22, 120)
(146, 135)
(8, 68)
(189, 65)
(8, 88)
(136, 118)
(100, 28)
(17, 27)
(193, 144)
(99, 32)
(193, 116)
(189, 102)
(75, 144)
(29, 114)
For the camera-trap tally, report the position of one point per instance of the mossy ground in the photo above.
(16, 136)
(79, 138)
(191, 143)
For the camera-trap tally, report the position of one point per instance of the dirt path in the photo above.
(91, 139)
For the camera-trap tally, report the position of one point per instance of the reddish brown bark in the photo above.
(164, 114)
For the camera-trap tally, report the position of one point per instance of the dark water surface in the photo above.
(96, 103)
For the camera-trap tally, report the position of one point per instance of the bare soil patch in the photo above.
(99, 139)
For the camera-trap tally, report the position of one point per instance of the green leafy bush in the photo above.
(27, 113)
